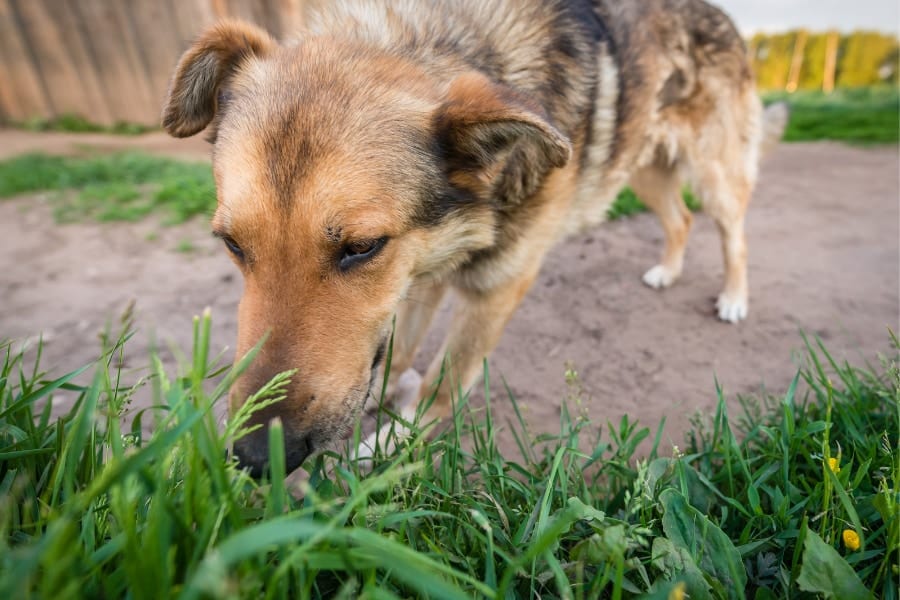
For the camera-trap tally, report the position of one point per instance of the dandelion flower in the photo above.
(677, 592)
(851, 539)
(835, 465)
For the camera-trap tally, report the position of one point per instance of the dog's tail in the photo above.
(774, 122)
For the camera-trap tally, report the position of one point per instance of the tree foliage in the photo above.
(863, 58)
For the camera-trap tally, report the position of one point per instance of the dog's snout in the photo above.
(252, 451)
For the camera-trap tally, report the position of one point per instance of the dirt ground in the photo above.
(824, 259)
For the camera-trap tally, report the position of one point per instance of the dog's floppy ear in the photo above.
(497, 142)
(193, 93)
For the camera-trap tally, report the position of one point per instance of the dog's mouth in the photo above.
(374, 378)
(297, 452)
(252, 450)
(379, 354)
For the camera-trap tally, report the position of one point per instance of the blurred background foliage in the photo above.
(799, 59)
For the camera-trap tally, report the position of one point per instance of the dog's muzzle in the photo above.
(252, 451)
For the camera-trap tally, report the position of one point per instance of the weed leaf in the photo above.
(826, 572)
(676, 562)
(689, 529)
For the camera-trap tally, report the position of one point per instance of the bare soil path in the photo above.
(824, 258)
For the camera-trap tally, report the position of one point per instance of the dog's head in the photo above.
(343, 174)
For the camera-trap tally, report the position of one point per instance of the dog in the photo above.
(399, 148)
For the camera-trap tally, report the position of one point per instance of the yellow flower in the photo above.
(835, 465)
(851, 539)
(677, 592)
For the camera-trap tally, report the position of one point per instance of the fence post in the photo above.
(797, 61)
(831, 48)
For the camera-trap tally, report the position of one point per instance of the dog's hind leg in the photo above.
(659, 188)
(725, 197)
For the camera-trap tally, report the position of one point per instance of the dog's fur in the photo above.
(399, 147)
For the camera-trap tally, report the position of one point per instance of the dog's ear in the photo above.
(496, 142)
(203, 71)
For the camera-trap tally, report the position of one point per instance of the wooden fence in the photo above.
(108, 61)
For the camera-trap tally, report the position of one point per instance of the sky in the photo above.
(818, 15)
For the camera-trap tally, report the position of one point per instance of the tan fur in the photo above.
(400, 148)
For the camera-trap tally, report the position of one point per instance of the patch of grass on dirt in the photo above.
(858, 115)
(185, 246)
(798, 496)
(627, 204)
(131, 186)
(115, 187)
(75, 124)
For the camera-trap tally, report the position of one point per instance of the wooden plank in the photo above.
(74, 41)
(797, 61)
(269, 16)
(110, 60)
(221, 8)
(23, 77)
(138, 60)
(10, 109)
(248, 10)
(157, 39)
(56, 60)
(120, 69)
(281, 18)
(831, 50)
(291, 15)
(284, 18)
(191, 17)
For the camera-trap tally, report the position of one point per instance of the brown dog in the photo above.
(399, 148)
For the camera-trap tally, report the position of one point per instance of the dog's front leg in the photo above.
(413, 318)
(477, 325)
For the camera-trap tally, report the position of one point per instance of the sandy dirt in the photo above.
(824, 258)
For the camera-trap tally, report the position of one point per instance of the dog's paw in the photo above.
(407, 390)
(373, 402)
(731, 309)
(366, 449)
(659, 277)
(405, 397)
(386, 439)
(380, 440)
(399, 392)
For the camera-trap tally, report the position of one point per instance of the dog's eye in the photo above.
(355, 253)
(233, 247)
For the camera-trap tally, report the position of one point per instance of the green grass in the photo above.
(627, 204)
(747, 508)
(128, 187)
(115, 187)
(131, 186)
(185, 246)
(75, 124)
(862, 115)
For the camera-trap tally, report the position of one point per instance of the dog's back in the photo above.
(546, 50)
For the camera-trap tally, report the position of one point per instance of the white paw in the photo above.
(366, 449)
(373, 402)
(400, 393)
(731, 309)
(382, 440)
(408, 386)
(386, 440)
(659, 277)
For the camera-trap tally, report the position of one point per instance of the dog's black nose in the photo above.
(252, 451)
